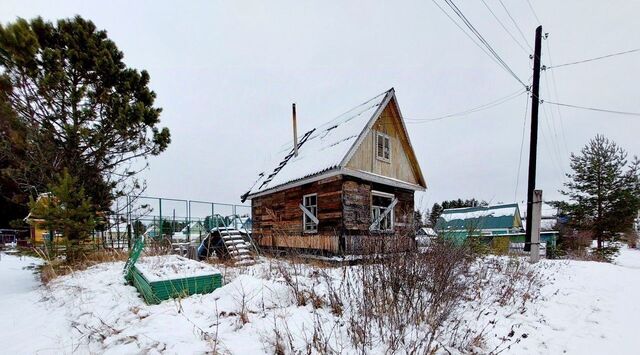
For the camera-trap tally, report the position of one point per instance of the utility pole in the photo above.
(533, 143)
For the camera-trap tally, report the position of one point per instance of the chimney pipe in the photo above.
(295, 131)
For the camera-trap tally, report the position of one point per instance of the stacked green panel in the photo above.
(158, 291)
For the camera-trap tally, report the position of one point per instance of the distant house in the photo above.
(482, 220)
(152, 232)
(348, 188)
(489, 222)
(192, 231)
(37, 229)
(425, 235)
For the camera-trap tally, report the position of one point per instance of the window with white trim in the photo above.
(310, 203)
(383, 147)
(380, 201)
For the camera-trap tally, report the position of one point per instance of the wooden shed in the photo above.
(348, 188)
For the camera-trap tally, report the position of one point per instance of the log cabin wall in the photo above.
(277, 217)
(357, 239)
(344, 212)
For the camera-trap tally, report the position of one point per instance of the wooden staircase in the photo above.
(240, 250)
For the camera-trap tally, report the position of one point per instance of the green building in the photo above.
(488, 222)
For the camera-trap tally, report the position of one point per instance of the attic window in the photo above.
(383, 147)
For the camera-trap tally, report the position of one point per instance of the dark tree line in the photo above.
(437, 208)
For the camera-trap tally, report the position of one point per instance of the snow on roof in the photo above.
(195, 225)
(479, 212)
(324, 147)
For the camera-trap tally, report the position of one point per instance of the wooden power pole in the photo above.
(533, 144)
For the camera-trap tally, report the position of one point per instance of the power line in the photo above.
(534, 12)
(515, 24)
(504, 27)
(524, 129)
(594, 109)
(593, 59)
(465, 32)
(482, 40)
(554, 146)
(555, 89)
(471, 110)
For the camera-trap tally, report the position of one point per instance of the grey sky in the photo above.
(226, 74)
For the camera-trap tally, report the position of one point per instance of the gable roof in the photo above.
(484, 217)
(326, 150)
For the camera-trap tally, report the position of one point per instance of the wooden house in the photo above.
(346, 187)
(37, 229)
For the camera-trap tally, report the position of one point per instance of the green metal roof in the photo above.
(479, 218)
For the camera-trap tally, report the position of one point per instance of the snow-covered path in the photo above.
(588, 308)
(591, 308)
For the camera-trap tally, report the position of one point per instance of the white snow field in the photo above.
(586, 308)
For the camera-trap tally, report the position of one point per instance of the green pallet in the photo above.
(158, 291)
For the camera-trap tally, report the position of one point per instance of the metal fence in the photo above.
(177, 220)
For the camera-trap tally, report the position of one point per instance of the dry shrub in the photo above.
(54, 267)
(154, 247)
(500, 245)
(444, 299)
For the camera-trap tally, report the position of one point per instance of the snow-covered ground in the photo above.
(586, 308)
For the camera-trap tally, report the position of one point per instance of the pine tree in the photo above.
(436, 211)
(604, 192)
(74, 105)
(68, 210)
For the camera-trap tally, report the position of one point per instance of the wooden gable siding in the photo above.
(277, 217)
(400, 167)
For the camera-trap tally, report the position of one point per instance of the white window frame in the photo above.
(304, 216)
(390, 217)
(385, 138)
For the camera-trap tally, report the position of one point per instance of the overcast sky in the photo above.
(226, 73)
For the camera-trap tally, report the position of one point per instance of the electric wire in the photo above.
(626, 113)
(515, 24)
(534, 12)
(481, 38)
(482, 107)
(555, 89)
(524, 130)
(504, 27)
(553, 146)
(593, 59)
(465, 32)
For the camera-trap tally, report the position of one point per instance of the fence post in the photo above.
(129, 222)
(160, 217)
(188, 221)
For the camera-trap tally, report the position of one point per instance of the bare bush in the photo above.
(444, 299)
